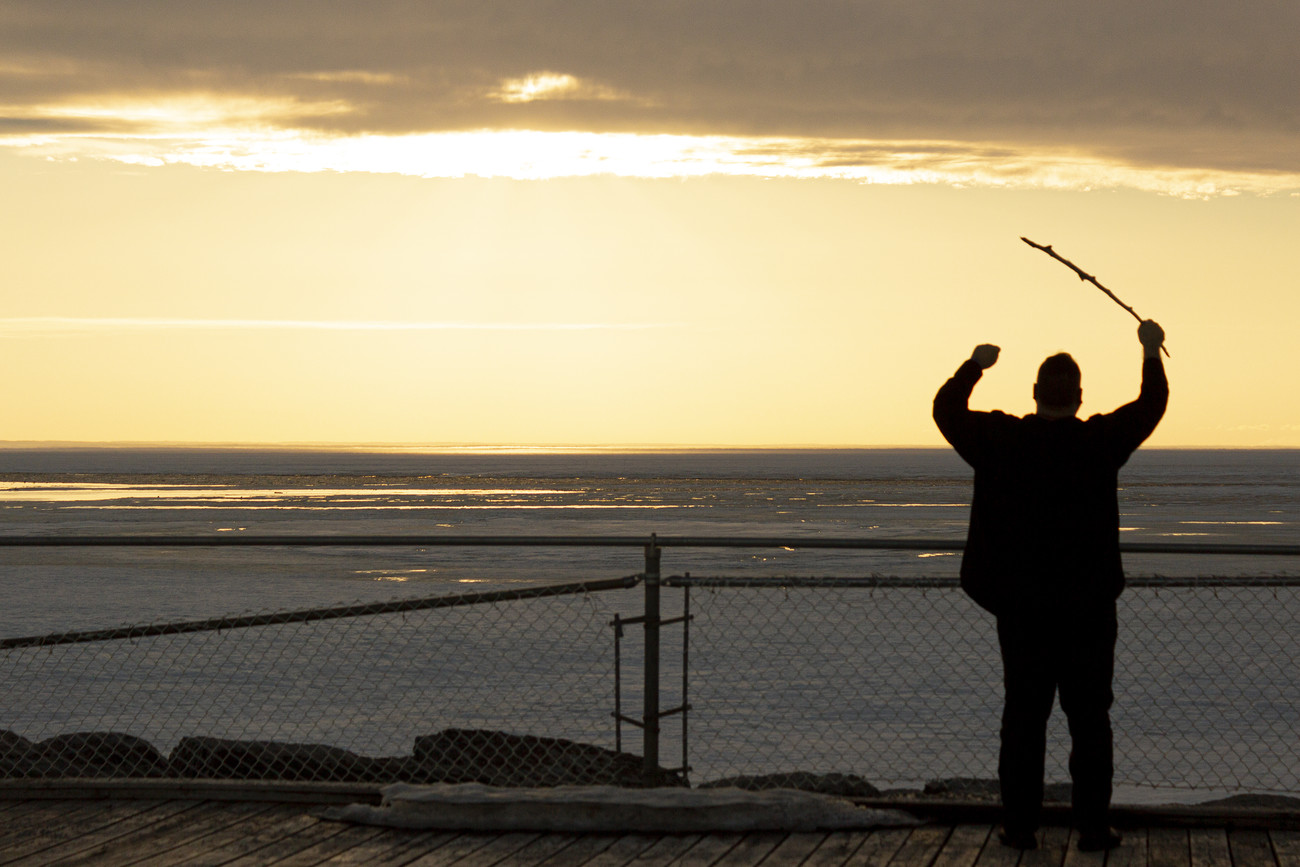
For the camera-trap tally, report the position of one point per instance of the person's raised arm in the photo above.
(1134, 422)
(986, 354)
(1152, 337)
(951, 405)
(1155, 387)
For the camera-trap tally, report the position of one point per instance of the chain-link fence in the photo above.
(762, 682)
(509, 687)
(899, 682)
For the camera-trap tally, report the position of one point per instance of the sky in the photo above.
(569, 222)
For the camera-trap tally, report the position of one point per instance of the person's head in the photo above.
(1058, 392)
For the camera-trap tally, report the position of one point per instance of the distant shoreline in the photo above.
(677, 462)
(442, 448)
(522, 449)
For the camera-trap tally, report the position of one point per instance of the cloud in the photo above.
(46, 126)
(1162, 84)
(543, 86)
(351, 76)
(525, 155)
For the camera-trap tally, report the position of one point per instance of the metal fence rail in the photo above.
(893, 679)
(397, 606)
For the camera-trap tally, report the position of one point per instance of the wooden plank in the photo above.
(838, 847)
(994, 854)
(583, 848)
(1168, 847)
(218, 839)
(624, 850)
(118, 833)
(37, 821)
(240, 840)
(964, 846)
(394, 847)
(709, 849)
(753, 847)
(1251, 849)
(459, 848)
(1132, 852)
(794, 850)
(1208, 847)
(29, 817)
(173, 832)
(667, 850)
(1075, 858)
(880, 847)
(542, 846)
(95, 829)
(499, 847)
(16, 810)
(922, 846)
(289, 846)
(1053, 844)
(1286, 847)
(320, 849)
(473, 849)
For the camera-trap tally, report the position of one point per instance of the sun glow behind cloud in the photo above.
(554, 85)
(546, 85)
(248, 134)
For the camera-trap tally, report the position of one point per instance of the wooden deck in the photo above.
(103, 831)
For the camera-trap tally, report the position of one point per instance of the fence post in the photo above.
(651, 711)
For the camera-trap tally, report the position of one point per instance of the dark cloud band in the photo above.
(1160, 83)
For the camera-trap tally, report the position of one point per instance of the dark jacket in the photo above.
(1044, 519)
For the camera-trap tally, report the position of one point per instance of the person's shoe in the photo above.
(1017, 839)
(1099, 841)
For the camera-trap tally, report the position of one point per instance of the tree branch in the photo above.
(1085, 276)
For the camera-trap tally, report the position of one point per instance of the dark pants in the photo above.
(1045, 649)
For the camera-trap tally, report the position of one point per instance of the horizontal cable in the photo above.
(453, 541)
(923, 581)
(359, 609)
(243, 540)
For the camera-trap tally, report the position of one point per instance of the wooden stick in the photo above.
(1085, 276)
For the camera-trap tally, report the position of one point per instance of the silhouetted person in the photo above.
(1042, 554)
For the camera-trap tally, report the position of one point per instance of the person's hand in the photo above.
(1152, 337)
(985, 355)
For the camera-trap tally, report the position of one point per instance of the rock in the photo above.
(500, 759)
(450, 756)
(13, 744)
(964, 787)
(273, 760)
(86, 754)
(14, 751)
(844, 785)
(975, 789)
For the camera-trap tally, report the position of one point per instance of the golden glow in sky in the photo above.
(236, 134)
(405, 224)
(67, 324)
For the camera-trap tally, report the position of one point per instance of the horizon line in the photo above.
(528, 448)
